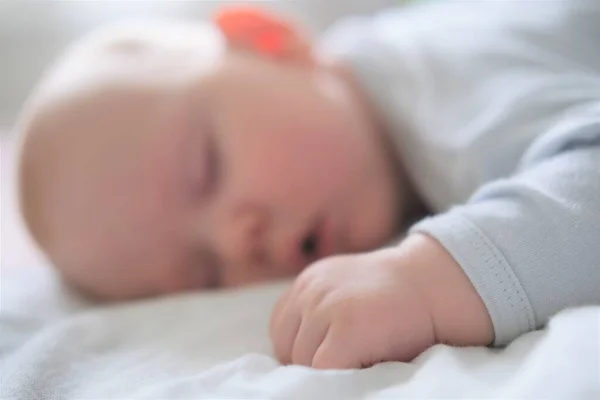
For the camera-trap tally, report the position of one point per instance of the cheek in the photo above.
(300, 162)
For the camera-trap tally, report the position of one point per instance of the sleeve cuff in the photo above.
(488, 270)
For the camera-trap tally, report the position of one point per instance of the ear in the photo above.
(263, 33)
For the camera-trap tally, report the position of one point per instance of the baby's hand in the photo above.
(390, 305)
(353, 311)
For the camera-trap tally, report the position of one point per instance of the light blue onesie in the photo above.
(495, 108)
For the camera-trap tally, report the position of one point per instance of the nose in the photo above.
(244, 238)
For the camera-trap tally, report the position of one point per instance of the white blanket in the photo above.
(55, 345)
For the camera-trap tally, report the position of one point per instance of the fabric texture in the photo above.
(55, 345)
(495, 110)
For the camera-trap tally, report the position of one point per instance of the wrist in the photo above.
(458, 313)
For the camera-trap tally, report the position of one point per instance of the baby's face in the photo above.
(246, 170)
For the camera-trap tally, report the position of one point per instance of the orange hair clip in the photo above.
(254, 28)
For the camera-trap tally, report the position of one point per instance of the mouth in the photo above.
(317, 243)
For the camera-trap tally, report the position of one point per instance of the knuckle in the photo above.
(311, 299)
(341, 308)
(304, 280)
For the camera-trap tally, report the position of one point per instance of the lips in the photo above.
(318, 242)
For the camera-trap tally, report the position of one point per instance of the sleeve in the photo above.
(530, 243)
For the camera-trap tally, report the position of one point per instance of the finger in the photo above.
(335, 352)
(311, 333)
(284, 329)
(277, 311)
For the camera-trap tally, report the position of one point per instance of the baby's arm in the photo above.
(520, 251)
(530, 244)
(389, 305)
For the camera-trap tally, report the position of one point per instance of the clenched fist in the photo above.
(354, 311)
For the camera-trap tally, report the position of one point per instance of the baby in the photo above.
(169, 157)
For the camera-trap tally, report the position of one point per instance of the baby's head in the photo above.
(167, 158)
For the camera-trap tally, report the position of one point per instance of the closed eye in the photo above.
(204, 165)
(211, 176)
